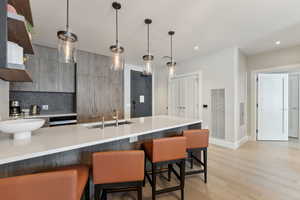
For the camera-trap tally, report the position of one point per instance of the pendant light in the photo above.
(172, 64)
(148, 58)
(67, 43)
(117, 50)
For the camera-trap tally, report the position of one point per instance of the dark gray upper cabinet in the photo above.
(67, 80)
(47, 73)
(99, 89)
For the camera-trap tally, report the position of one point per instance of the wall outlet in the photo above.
(45, 107)
(133, 139)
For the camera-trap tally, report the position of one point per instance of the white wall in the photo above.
(224, 69)
(4, 100)
(219, 70)
(280, 57)
(242, 95)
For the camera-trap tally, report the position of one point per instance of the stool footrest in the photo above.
(194, 172)
(120, 190)
(170, 189)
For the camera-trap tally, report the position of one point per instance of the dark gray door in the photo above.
(141, 94)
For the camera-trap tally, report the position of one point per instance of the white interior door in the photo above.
(173, 98)
(184, 96)
(272, 110)
(191, 108)
(293, 105)
(181, 82)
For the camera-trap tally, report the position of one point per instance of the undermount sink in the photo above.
(107, 124)
(21, 128)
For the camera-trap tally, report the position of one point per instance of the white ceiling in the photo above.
(253, 25)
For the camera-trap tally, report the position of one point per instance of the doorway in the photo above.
(140, 94)
(272, 106)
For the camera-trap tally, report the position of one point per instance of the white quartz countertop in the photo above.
(52, 140)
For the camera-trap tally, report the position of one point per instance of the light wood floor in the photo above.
(257, 170)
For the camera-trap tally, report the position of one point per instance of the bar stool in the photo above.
(197, 141)
(166, 151)
(117, 171)
(63, 184)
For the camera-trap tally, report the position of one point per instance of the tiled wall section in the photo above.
(57, 102)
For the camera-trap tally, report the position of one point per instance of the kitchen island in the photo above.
(67, 145)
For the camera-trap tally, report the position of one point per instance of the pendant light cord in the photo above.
(117, 29)
(148, 38)
(68, 4)
(171, 48)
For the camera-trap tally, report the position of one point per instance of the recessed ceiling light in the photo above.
(196, 48)
(278, 42)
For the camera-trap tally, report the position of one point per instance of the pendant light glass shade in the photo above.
(67, 43)
(117, 50)
(148, 59)
(117, 58)
(148, 68)
(67, 47)
(172, 64)
(171, 67)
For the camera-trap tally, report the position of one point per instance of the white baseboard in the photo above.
(228, 144)
(222, 143)
(242, 141)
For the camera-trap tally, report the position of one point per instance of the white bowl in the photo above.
(21, 128)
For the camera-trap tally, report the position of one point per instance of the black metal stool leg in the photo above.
(182, 178)
(104, 195)
(205, 165)
(140, 192)
(97, 192)
(192, 160)
(169, 171)
(153, 181)
(87, 192)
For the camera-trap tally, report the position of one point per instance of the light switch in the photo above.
(45, 107)
(142, 99)
(133, 139)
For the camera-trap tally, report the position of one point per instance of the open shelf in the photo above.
(17, 32)
(23, 8)
(15, 73)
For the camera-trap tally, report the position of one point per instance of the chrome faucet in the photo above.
(116, 117)
(103, 123)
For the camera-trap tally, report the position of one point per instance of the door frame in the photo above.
(297, 73)
(253, 93)
(127, 89)
(198, 74)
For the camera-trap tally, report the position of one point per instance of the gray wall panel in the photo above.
(99, 89)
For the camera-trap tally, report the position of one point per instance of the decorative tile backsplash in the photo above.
(57, 102)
